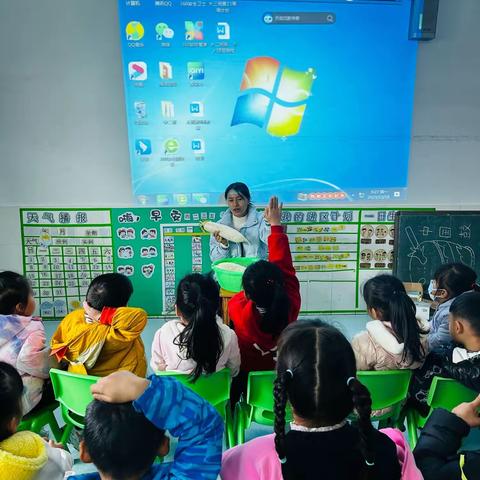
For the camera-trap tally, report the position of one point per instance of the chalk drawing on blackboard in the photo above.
(465, 231)
(438, 251)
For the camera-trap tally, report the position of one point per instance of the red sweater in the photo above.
(257, 348)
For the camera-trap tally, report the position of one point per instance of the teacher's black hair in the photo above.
(240, 188)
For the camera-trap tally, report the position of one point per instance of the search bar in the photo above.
(299, 18)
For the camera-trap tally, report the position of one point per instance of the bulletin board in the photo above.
(334, 252)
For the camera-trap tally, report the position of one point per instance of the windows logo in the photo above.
(275, 97)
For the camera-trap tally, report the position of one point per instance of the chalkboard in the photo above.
(426, 240)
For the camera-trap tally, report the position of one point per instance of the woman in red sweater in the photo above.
(270, 300)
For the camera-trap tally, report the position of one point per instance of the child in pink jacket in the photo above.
(316, 375)
(22, 338)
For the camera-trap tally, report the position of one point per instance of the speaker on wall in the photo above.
(423, 19)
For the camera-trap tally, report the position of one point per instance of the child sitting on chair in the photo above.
(198, 341)
(104, 336)
(22, 339)
(125, 430)
(395, 339)
(24, 455)
(461, 362)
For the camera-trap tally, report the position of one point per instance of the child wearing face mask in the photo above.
(449, 281)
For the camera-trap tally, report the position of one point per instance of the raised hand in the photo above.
(273, 212)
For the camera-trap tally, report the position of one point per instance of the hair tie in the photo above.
(282, 460)
(290, 372)
(350, 380)
(369, 464)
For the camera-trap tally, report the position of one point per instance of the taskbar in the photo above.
(370, 195)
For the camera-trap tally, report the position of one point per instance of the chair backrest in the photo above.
(260, 398)
(388, 388)
(215, 388)
(72, 391)
(447, 393)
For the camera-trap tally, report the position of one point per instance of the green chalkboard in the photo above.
(426, 240)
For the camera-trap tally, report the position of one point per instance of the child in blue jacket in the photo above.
(125, 430)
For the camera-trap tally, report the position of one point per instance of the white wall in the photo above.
(63, 135)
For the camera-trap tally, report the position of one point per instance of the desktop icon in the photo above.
(193, 30)
(134, 31)
(195, 70)
(171, 146)
(143, 146)
(163, 31)
(196, 109)
(223, 31)
(140, 108)
(198, 146)
(137, 71)
(166, 71)
(168, 109)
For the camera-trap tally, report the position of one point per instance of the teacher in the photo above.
(244, 217)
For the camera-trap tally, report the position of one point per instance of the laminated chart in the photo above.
(334, 252)
(62, 251)
(328, 250)
(156, 247)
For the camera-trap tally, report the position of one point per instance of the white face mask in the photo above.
(431, 288)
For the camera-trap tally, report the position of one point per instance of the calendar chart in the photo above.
(63, 250)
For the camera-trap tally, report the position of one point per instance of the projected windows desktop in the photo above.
(309, 100)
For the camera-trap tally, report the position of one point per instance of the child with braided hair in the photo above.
(316, 375)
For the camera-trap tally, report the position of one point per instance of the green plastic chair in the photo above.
(72, 392)
(388, 389)
(258, 406)
(215, 388)
(444, 393)
(35, 421)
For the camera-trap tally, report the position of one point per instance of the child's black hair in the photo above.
(467, 307)
(240, 188)
(11, 389)
(121, 442)
(14, 289)
(387, 295)
(455, 278)
(109, 290)
(263, 283)
(316, 375)
(198, 300)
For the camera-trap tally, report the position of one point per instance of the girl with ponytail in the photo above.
(269, 302)
(198, 341)
(394, 339)
(316, 376)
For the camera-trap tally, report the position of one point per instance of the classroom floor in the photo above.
(348, 324)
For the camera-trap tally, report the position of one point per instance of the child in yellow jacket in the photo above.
(25, 455)
(104, 336)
